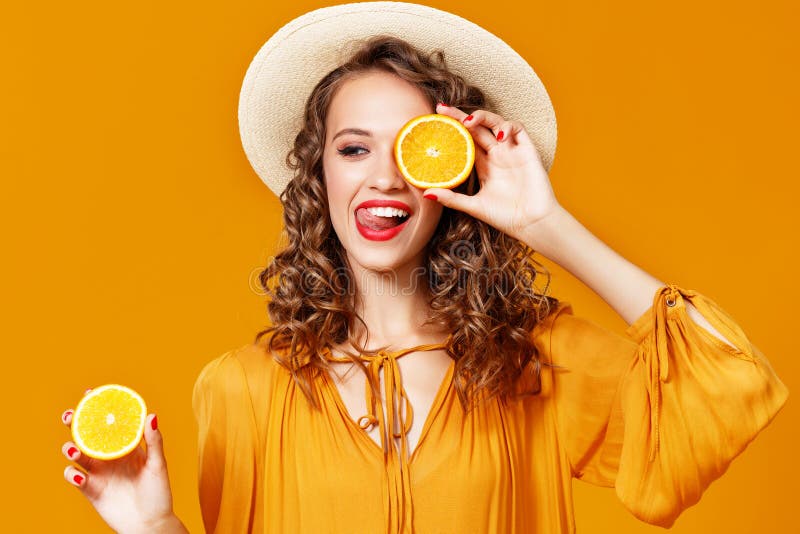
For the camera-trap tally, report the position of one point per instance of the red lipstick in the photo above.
(377, 203)
(388, 233)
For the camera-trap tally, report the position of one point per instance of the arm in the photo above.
(169, 525)
(627, 288)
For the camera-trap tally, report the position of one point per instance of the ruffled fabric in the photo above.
(227, 441)
(657, 413)
(397, 414)
(690, 404)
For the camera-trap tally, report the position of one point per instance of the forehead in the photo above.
(375, 101)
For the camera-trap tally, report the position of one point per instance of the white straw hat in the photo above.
(282, 74)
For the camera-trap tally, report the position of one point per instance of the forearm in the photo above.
(627, 288)
(167, 525)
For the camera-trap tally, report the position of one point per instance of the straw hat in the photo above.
(283, 73)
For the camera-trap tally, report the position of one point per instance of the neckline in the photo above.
(438, 400)
(396, 353)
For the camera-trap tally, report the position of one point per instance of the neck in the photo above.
(394, 307)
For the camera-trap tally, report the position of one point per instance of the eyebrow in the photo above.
(356, 131)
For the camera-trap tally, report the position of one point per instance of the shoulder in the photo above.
(568, 339)
(556, 321)
(240, 372)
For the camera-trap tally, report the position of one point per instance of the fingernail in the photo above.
(154, 422)
(443, 105)
(71, 452)
(65, 415)
(467, 118)
(430, 196)
(500, 135)
(78, 479)
(87, 391)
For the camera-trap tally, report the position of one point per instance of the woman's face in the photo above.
(365, 115)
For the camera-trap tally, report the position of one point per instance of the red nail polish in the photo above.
(443, 105)
(66, 414)
(71, 452)
(78, 479)
(430, 196)
(154, 422)
(468, 118)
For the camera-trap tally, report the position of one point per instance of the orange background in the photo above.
(133, 225)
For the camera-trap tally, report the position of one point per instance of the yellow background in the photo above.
(133, 225)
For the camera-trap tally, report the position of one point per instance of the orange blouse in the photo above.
(658, 414)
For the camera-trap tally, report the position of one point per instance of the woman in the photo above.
(421, 382)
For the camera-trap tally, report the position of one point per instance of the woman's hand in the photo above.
(131, 493)
(515, 190)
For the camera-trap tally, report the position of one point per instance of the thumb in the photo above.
(155, 444)
(449, 198)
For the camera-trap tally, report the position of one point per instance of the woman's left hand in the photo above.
(515, 190)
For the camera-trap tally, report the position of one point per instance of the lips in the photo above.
(376, 227)
(377, 203)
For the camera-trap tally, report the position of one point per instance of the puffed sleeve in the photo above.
(226, 445)
(661, 412)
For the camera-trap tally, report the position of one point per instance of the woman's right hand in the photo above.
(132, 493)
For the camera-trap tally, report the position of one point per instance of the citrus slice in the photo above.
(108, 422)
(434, 151)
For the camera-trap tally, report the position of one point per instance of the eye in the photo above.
(350, 151)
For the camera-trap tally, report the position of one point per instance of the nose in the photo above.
(387, 175)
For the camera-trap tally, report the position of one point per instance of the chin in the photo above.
(380, 260)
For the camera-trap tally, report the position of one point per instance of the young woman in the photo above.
(414, 378)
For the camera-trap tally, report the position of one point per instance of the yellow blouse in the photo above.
(657, 414)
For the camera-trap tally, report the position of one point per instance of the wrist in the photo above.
(546, 236)
(167, 524)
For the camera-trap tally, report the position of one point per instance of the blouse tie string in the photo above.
(656, 357)
(395, 423)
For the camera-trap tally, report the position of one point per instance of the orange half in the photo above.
(434, 151)
(108, 422)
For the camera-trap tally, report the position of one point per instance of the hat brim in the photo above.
(286, 68)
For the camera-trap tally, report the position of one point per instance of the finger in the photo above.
(508, 132)
(83, 481)
(449, 198)
(66, 417)
(76, 477)
(155, 443)
(484, 127)
(483, 136)
(72, 452)
(451, 111)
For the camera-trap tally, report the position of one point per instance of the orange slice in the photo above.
(434, 151)
(108, 422)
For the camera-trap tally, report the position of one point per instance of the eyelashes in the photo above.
(350, 151)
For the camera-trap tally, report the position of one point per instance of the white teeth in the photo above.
(387, 212)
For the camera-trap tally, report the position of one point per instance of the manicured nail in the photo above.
(71, 452)
(65, 415)
(500, 135)
(467, 118)
(443, 105)
(154, 422)
(430, 196)
(78, 479)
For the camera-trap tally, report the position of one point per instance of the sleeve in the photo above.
(226, 445)
(661, 412)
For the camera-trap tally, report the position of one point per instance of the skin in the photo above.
(132, 494)
(391, 293)
(380, 103)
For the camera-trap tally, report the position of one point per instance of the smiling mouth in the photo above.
(378, 222)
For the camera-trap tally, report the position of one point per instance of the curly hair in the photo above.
(480, 281)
